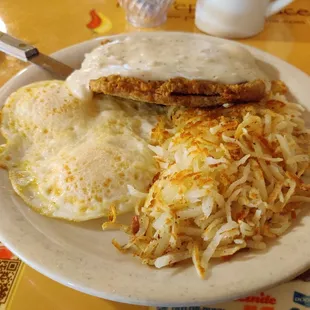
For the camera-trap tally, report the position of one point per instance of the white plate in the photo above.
(81, 255)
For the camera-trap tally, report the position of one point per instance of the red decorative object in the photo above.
(95, 20)
(5, 253)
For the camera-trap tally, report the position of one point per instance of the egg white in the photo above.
(73, 159)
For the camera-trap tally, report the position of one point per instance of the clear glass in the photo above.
(146, 13)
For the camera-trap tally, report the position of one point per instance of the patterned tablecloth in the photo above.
(52, 25)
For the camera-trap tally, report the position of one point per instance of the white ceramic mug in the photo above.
(235, 18)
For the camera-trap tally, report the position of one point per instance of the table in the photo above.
(52, 25)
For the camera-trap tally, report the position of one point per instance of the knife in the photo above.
(28, 53)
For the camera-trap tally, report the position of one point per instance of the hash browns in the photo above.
(230, 179)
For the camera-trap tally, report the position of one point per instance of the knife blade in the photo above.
(28, 53)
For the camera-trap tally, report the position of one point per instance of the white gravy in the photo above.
(165, 57)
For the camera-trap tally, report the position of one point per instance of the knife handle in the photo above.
(16, 48)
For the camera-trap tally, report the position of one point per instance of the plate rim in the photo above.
(146, 301)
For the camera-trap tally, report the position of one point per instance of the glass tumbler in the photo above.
(146, 13)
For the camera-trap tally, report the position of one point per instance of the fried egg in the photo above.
(73, 159)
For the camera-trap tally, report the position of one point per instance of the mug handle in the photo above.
(276, 6)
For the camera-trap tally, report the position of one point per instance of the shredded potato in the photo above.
(230, 179)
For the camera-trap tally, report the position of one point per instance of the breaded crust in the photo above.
(179, 91)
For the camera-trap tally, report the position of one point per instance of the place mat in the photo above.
(52, 25)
